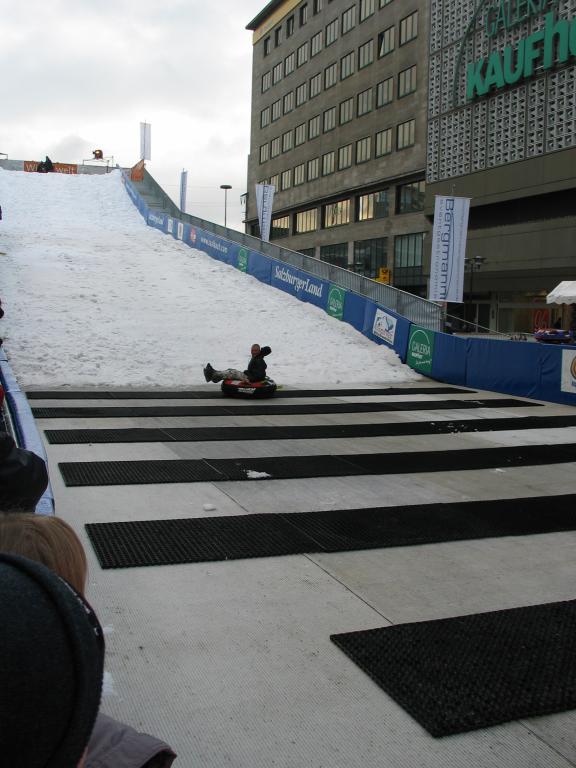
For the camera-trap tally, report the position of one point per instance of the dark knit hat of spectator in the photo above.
(51, 667)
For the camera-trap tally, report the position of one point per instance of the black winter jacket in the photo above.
(23, 476)
(256, 370)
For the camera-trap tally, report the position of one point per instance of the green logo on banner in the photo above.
(243, 260)
(336, 298)
(420, 349)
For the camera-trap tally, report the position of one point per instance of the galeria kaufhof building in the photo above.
(502, 131)
(339, 103)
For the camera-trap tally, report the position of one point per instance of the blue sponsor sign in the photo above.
(299, 284)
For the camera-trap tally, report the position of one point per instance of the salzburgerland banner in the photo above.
(264, 201)
(448, 248)
(299, 284)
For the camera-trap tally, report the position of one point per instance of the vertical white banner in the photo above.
(183, 186)
(448, 248)
(145, 141)
(264, 201)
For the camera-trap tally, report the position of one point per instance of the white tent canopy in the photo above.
(564, 293)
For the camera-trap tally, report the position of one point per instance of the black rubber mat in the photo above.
(314, 432)
(216, 394)
(190, 471)
(460, 674)
(267, 409)
(168, 542)
(123, 545)
(83, 473)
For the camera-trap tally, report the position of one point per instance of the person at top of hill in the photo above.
(47, 166)
(256, 370)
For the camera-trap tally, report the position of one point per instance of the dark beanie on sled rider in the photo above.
(51, 667)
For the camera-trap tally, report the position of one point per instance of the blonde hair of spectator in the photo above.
(47, 540)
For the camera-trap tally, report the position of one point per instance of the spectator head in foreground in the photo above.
(51, 667)
(47, 540)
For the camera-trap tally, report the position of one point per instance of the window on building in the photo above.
(289, 26)
(330, 76)
(331, 34)
(366, 9)
(328, 163)
(315, 85)
(307, 221)
(288, 102)
(265, 117)
(302, 54)
(346, 110)
(345, 157)
(317, 6)
(373, 206)
(347, 65)
(299, 175)
(336, 254)
(313, 169)
(407, 81)
(385, 92)
(336, 214)
(364, 102)
(314, 127)
(280, 227)
(405, 134)
(287, 139)
(300, 134)
(286, 179)
(275, 147)
(363, 149)
(329, 119)
(385, 42)
(301, 94)
(370, 256)
(384, 2)
(276, 110)
(275, 181)
(264, 152)
(267, 44)
(349, 19)
(408, 260)
(277, 73)
(308, 252)
(316, 44)
(266, 81)
(409, 28)
(289, 64)
(303, 14)
(384, 142)
(410, 197)
(277, 36)
(366, 54)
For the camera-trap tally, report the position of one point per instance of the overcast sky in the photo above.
(82, 74)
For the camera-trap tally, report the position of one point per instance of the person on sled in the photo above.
(256, 370)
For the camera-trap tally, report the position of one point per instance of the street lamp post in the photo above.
(225, 187)
(474, 263)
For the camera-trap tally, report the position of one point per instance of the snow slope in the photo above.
(94, 297)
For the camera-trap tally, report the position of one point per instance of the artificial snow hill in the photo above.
(94, 297)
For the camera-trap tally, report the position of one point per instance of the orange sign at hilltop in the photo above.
(31, 165)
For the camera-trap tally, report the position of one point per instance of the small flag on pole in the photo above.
(183, 185)
(145, 141)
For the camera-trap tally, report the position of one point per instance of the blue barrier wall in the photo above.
(518, 368)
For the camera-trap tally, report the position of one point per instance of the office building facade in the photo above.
(502, 131)
(339, 110)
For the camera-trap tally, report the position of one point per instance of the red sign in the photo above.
(541, 318)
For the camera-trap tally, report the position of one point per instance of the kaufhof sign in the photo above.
(552, 45)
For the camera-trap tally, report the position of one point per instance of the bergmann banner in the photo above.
(183, 188)
(448, 248)
(264, 200)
